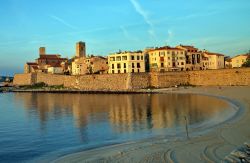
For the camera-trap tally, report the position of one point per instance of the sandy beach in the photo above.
(210, 146)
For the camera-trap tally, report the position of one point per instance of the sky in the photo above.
(108, 26)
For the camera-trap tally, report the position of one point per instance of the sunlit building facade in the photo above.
(126, 62)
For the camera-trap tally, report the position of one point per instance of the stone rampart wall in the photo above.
(223, 77)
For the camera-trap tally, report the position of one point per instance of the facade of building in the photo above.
(238, 60)
(126, 62)
(193, 57)
(97, 65)
(90, 65)
(167, 59)
(79, 66)
(215, 60)
(55, 70)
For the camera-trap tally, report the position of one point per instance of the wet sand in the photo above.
(211, 146)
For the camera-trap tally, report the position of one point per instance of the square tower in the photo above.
(42, 51)
(80, 49)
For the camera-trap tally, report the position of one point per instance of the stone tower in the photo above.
(80, 49)
(42, 51)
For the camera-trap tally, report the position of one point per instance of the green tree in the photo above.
(247, 63)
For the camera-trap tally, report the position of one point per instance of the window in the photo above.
(138, 65)
(113, 66)
(124, 65)
(125, 71)
(138, 57)
(119, 71)
(111, 59)
(124, 58)
(182, 63)
(132, 57)
(113, 71)
(133, 66)
(118, 65)
(141, 57)
(138, 70)
(198, 58)
(133, 70)
(162, 64)
(118, 58)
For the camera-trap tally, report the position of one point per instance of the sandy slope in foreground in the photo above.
(210, 147)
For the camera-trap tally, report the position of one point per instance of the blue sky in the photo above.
(106, 26)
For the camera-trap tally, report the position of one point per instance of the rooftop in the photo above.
(211, 53)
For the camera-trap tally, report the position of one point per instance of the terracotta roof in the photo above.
(166, 48)
(55, 65)
(241, 55)
(31, 63)
(35, 67)
(217, 54)
(50, 56)
(189, 47)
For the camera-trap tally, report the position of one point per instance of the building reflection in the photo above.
(124, 113)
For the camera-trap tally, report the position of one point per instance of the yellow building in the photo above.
(215, 60)
(167, 59)
(238, 60)
(126, 62)
(193, 57)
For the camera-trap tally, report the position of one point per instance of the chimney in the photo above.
(42, 51)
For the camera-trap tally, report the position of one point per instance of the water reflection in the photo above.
(123, 113)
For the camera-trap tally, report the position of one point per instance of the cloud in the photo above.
(141, 11)
(127, 35)
(170, 36)
(144, 14)
(62, 21)
(124, 31)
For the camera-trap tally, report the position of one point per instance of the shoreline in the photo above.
(204, 145)
(76, 91)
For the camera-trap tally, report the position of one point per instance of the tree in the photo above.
(247, 63)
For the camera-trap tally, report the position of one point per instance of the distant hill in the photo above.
(3, 78)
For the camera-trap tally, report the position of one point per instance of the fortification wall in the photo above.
(50, 79)
(139, 81)
(223, 77)
(23, 79)
(168, 79)
(101, 82)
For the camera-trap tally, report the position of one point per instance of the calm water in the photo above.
(39, 126)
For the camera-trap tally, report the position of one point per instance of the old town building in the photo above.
(238, 60)
(193, 57)
(126, 62)
(45, 61)
(215, 60)
(167, 59)
(90, 65)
